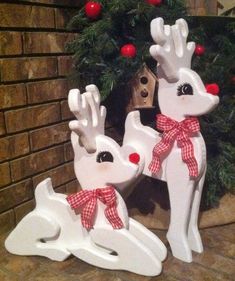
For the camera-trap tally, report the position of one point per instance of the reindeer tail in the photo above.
(43, 191)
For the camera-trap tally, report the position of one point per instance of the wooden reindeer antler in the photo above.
(90, 116)
(172, 50)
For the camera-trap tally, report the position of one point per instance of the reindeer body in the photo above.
(101, 163)
(181, 94)
(55, 231)
(184, 193)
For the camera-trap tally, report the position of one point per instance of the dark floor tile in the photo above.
(192, 271)
(2, 241)
(218, 245)
(216, 262)
(21, 265)
(164, 277)
(47, 275)
(226, 232)
(72, 267)
(5, 276)
(102, 275)
(129, 276)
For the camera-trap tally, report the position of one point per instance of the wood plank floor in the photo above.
(217, 263)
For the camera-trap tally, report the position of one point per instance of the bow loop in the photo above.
(78, 201)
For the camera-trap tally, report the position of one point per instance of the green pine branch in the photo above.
(97, 59)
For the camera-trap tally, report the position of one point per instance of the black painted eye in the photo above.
(185, 89)
(104, 156)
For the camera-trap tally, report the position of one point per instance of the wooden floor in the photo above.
(216, 263)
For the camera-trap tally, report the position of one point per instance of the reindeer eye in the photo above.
(185, 89)
(104, 156)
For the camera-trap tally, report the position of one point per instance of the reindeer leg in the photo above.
(180, 201)
(132, 255)
(149, 239)
(194, 237)
(180, 191)
(31, 234)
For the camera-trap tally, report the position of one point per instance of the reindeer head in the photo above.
(99, 160)
(181, 91)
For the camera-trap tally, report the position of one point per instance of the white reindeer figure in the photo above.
(54, 230)
(178, 156)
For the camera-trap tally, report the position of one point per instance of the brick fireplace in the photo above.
(34, 133)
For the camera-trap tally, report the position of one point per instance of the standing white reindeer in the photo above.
(102, 226)
(178, 156)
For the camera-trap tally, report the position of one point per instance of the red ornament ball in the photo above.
(199, 50)
(233, 80)
(154, 2)
(128, 50)
(92, 9)
(212, 89)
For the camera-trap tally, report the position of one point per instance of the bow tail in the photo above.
(113, 217)
(110, 211)
(188, 157)
(78, 199)
(88, 214)
(158, 149)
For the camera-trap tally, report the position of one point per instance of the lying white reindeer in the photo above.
(54, 230)
(179, 158)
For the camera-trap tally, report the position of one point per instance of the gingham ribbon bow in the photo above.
(181, 132)
(87, 200)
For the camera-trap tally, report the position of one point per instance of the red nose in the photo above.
(134, 158)
(212, 89)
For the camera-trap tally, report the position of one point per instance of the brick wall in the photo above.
(34, 134)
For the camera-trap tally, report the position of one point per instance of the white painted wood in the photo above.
(54, 230)
(149, 239)
(173, 54)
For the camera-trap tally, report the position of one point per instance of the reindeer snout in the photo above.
(134, 158)
(212, 89)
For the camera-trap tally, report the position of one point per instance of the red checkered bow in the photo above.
(181, 132)
(87, 200)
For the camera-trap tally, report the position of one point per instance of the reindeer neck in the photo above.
(173, 115)
(90, 185)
